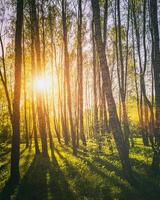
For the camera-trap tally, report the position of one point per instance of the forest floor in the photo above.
(93, 174)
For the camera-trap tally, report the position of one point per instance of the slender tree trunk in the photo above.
(67, 76)
(105, 26)
(135, 72)
(37, 151)
(105, 20)
(94, 79)
(46, 109)
(80, 72)
(3, 77)
(25, 94)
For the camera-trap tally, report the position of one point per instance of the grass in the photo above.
(93, 174)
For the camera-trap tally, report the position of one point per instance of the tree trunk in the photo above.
(67, 76)
(94, 79)
(25, 94)
(37, 151)
(15, 151)
(3, 77)
(156, 67)
(80, 73)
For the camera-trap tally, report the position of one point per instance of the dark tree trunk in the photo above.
(156, 67)
(15, 151)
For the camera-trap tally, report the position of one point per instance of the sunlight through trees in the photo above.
(79, 78)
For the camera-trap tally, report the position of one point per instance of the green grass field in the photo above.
(93, 174)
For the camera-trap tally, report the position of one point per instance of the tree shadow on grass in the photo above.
(58, 185)
(43, 180)
(8, 190)
(34, 184)
(5, 159)
(145, 186)
(111, 175)
(81, 150)
(84, 186)
(10, 186)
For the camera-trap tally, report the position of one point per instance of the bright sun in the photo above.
(42, 83)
